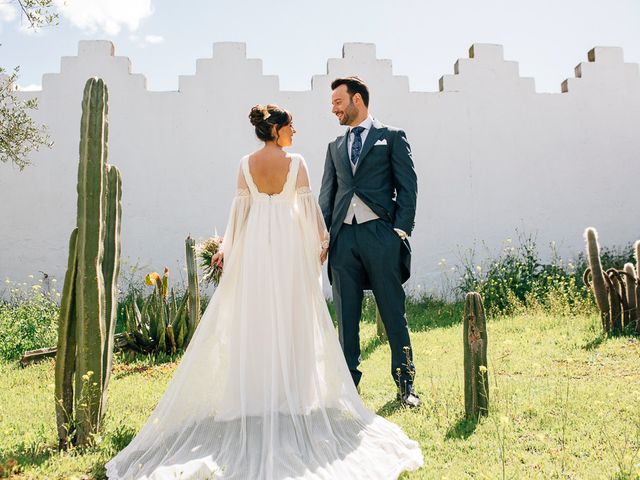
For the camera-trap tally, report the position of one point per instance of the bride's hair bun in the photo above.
(264, 117)
(256, 115)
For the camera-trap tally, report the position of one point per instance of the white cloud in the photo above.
(154, 39)
(29, 88)
(107, 15)
(8, 12)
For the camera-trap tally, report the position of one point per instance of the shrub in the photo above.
(517, 278)
(28, 320)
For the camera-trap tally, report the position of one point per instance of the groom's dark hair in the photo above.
(354, 85)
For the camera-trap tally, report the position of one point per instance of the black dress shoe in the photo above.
(410, 399)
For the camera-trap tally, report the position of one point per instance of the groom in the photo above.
(368, 200)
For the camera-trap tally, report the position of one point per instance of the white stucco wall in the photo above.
(492, 155)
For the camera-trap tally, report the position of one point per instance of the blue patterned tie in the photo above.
(356, 147)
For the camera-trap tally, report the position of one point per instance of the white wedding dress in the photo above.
(263, 390)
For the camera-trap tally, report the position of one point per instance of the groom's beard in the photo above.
(348, 114)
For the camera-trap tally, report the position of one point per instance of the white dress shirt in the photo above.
(357, 208)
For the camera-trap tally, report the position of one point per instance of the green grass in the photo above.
(564, 402)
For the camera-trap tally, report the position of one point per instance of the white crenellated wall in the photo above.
(492, 155)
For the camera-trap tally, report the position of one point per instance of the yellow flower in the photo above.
(482, 369)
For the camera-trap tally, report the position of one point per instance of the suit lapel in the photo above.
(377, 129)
(342, 147)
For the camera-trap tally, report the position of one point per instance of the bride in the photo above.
(263, 390)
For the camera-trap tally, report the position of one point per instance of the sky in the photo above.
(294, 38)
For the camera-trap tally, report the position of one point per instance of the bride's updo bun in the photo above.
(263, 118)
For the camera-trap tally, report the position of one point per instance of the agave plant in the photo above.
(158, 323)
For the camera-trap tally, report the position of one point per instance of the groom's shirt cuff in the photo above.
(401, 233)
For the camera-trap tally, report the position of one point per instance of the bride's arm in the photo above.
(311, 211)
(240, 207)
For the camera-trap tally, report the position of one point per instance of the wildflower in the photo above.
(483, 369)
(85, 378)
(30, 276)
(7, 281)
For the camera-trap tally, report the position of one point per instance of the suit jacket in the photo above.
(385, 179)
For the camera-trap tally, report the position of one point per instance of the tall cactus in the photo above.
(194, 289)
(599, 281)
(476, 375)
(630, 283)
(111, 269)
(66, 351)
(87, 319)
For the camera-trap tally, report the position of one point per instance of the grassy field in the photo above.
(565, 402)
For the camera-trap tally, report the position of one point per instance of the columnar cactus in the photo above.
(617, 300)
(617, 292)
(66, 349)
(599, 279)
(631, 287)
(194, 288)
(87, 316)
(111, 269)
(476, 374)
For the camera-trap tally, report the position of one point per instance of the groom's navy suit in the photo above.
(371, 255)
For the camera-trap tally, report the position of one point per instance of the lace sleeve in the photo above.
(309, 208)
(240, 207)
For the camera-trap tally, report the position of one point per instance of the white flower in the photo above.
(30, 276)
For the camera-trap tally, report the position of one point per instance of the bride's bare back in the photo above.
(269, 169)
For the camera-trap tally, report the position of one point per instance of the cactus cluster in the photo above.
(617, 292)
(89, 299)
(476, 374)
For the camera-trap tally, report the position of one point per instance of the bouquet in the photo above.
(205, 251)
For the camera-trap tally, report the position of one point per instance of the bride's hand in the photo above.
(217, 259)
(323, 255)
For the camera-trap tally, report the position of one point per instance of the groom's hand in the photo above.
(323, 255)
